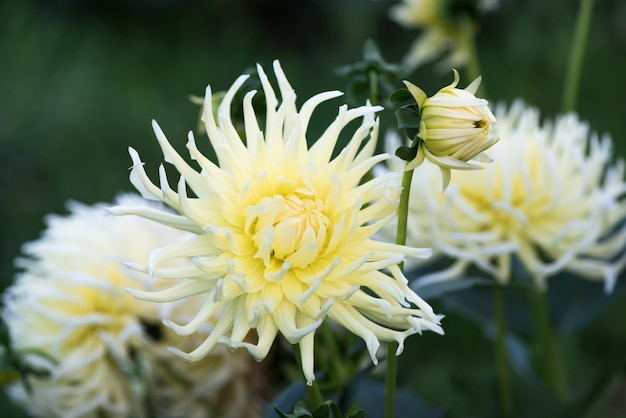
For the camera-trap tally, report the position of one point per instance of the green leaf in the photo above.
(357, 414)
(299, 411)
(323, 411)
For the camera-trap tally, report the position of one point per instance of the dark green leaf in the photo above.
(357, 414)
(322, 411)
(300, 411)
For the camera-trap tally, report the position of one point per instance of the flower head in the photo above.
(454, 128)
(283, 232)
(442, 23)
(71, 322)
(551, 199)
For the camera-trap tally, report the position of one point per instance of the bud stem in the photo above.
(392, 346)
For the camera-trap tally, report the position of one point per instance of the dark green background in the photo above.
(80, 81)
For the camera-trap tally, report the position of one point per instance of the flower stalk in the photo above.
(472, 67)
(401, 232)
(502, 364)
(313, 393)
(549, 351)
(574, 65)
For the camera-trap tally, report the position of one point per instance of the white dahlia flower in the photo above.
(283, 232)
(552, 198)
(70, 319)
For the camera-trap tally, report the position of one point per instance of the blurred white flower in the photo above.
(283, 231)
(552, 198)
(70, 319)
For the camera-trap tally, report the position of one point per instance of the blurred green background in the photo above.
(80, 81)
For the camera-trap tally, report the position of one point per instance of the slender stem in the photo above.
(390, 380)
(577, 52)
(392, 347)
(335, 355)
(313, 394)
(373, 86)
(473, 63)
(502, 364)
(549, 350)
(403, 208)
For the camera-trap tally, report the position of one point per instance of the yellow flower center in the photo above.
(288, 228)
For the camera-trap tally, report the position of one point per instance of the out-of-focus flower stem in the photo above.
(473, 63)
(501, 358)
(330, 342)
(392, 347)
(549, 353)
(574, 65)
(313, 393)
(373, 86)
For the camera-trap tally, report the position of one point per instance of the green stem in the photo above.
(473, 63)
(373, 86)
(577, 52)
(390, 380)
(335, 355)
(392, 347)
(549, 350)
(502, 364)
(313, 394)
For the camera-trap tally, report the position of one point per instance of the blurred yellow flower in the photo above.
(69, 318)
(441, 22)
(283, 232)
(551, 199)
(454, 128)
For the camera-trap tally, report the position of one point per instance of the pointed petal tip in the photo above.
(181, 355)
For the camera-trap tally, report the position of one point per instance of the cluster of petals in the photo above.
(84, 341)
(553, 199)
(282, 232)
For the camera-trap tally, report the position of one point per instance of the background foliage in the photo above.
(80, 82)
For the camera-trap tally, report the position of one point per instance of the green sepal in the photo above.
(408, 117)
(402, 97)
(407, 153)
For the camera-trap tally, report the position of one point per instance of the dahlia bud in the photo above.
(454, 128)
